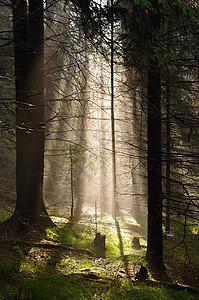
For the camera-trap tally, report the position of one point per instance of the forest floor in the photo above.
(51, 268)
(71, 260)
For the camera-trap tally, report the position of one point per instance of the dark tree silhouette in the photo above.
(154, 244)
(154, 241)
(29, 55)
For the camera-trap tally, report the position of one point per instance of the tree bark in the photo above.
(168, 158)
(155, 241)
(154, 245)
(29, 55)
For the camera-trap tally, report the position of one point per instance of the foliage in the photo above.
(42, 273)
(82, 235)
(63, 235)
(60, 287)
(184, 12)
(9, 267)
(143, 42)
(4, 213)
(144, 292)
(180, 248)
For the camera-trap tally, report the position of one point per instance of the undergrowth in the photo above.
(34, 273)
(22, 279)
(60, 287)
(82, 234)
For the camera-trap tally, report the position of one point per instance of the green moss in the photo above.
(112, 249)
(62, 235)
(82, 235)
(8, 267)
(28, 267)
(29, 281)
(5, 214)
(60, 287)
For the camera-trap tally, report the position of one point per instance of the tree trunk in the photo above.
(28, 50)
(115, 208)
(154, 245)
(155, 242)
(168, 166)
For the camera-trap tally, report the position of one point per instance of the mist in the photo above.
(79, 175)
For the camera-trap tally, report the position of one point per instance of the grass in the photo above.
(59, 287)
(82, 235)
(62, 277)
(32, 272)
(184, 244)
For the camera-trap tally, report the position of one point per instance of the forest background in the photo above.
(99, 122)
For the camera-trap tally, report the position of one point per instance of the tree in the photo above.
(29, 78)
(179, 95)
(154, 241)
(143, 50)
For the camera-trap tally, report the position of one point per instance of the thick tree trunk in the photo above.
(155, 241)
(30, 122)
(28, 50)
(154, 245)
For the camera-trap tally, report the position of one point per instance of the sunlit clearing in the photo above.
(79, 175)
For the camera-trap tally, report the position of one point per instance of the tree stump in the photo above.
(136, 243)
(99, 244)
